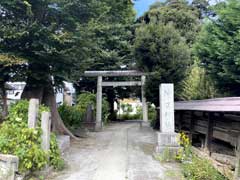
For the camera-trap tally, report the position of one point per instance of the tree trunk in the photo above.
(4, 101)
(31, 92)
(49, 100)
(46, 96)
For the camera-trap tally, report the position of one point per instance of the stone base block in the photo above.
(63, 142)
(167, 146)
(170, 150)
(166, 154)
(167, 139)
(98, 126)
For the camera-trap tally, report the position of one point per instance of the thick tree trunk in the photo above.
(49, 100)
(46, 96)
(31, 92)
(4, 101)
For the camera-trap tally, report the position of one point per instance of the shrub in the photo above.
(17, 139)
(127, 110)
(152, 115)
(195, 168)
(88, 98)
(55, 155)
(185, 152)
(200, 169)
(73, 115)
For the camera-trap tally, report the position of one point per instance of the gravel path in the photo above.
(122, 151)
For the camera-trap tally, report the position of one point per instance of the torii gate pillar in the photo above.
(144, 102)
(99, 105)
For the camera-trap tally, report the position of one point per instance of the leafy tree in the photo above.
(41, 32)
(203, 8)
(112, 35)
(182, 15)
(59, 39)
(197, 85)
(161, 50)
(218, 46)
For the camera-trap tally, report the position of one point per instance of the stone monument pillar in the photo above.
(167, 138)
(33, 113)
(46, 130)
(99, 105)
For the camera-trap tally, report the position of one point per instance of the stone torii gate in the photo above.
(101, 83)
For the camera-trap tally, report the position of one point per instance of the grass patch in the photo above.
(200, 169)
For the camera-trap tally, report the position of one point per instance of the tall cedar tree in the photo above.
(218, 47)
(111, 35)
(163, 43)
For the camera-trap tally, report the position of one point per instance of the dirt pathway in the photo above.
(122, 151)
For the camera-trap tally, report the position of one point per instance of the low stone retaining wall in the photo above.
(8, 166)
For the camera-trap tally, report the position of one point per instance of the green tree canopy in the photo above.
(41, 32)
(111, 38)
(183, 16)
(161, 50)
(197, 84)
(218, 46)
(61, 38)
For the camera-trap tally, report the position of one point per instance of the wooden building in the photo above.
(213, 125)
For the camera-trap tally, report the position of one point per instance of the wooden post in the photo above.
(180, 121)
(192, 118)
(237, 166)
(209, 134)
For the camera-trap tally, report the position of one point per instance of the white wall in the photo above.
(15, 95)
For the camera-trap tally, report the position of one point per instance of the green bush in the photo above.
(152, 115)
(88, 98)
(17, 139)
(127, 109)
(200, 169)
(55, 155)
(129, 117)
(193, 167)
(73, 115)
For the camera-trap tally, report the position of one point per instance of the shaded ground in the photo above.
(122, 151)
